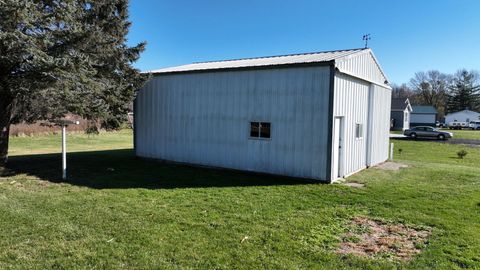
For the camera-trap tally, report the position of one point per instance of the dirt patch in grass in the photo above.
(376, 239)
(391, 166)
(354, 185)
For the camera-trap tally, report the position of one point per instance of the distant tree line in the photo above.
(446, 92)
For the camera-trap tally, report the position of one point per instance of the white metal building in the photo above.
(462, 116)
(318, 115)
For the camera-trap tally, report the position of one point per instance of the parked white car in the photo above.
(458, 125)
(474, 125)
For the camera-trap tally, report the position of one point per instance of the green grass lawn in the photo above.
(465, 134)
(120, 212)
(76, 142)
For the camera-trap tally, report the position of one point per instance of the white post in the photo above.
(391, 151)
(64, 153)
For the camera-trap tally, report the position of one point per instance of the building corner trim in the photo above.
(330, 122)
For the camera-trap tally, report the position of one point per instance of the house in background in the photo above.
(400, 114)
(320, 116)
(462, 116)
(423, 116)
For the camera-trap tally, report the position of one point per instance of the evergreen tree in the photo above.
(464, 92)
(65, 56)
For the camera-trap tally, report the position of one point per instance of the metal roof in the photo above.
(400, 104)
(464, 111)
(420, 109)
(303, 58)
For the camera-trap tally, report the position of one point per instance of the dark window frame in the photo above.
(262, 129)
(254, 128)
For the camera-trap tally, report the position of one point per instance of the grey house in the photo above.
(423, 116)
(320, 116)
(400, 114)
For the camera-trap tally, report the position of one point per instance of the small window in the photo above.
(254, 129)
(358, 131)
(264, 130)
(260, 129)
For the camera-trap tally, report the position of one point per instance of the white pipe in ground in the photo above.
(64, 152)
(391, 151)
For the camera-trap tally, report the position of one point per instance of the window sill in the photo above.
(259, 139)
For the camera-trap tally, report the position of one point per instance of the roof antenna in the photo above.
(366, 38)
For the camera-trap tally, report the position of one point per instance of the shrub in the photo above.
(461, 154)
(92, 129)
(400, 150)
(45, 128)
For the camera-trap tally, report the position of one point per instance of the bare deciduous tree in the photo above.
(402, 91)
(431, 88)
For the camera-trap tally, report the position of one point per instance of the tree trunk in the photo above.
(5, 117)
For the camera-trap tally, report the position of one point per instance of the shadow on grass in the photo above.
(121, 169)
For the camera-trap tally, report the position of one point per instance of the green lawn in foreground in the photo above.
(120, 212)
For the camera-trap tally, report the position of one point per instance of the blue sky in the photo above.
(407, 36)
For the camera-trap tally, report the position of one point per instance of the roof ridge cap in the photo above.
(281, 55)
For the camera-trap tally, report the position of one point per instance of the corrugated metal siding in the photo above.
(398, 117)
(362, 65)
(379, 125)
(351, 102)
(422, 118)
(203, 118)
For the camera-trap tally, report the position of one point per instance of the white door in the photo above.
(337, 148)
(406, 120)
